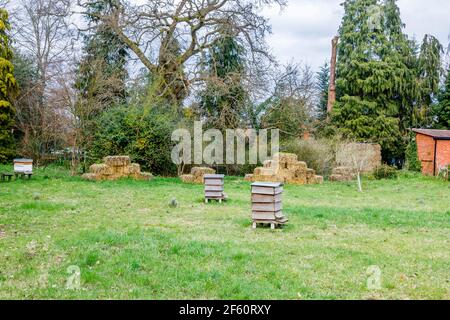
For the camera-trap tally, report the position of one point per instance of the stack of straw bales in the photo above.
(116, 167)
(343, 174)
(197, 174)
(285, 168)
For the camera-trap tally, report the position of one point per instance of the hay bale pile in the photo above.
(285, 167)
(343, 174)
(197, 174)
(116, 167)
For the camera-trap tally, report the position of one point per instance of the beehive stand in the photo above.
(266, 204)
(214, 187)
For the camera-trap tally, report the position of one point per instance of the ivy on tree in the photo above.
(102, 72)
(8, 88)
(223, 100)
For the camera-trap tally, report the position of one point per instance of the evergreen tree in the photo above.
(8, 88)
(323, 82)
(222, 103)
(374, 78)
(430, 70)
(102, 73)
(442, 109)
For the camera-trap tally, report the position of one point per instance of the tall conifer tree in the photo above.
(8, 88)
(102, 73)
(222, 102)
(430, 71)
(323, 82)
(375, 77)
(441, 111)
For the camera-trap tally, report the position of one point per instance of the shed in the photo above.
(433, 147)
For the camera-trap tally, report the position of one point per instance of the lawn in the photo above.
(129, 244)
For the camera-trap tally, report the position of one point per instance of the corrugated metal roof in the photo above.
(436, 134)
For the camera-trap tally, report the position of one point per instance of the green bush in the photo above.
(144, 135)
(385, 172)
(412, 158)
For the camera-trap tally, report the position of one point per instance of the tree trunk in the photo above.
(359, 181)
(332, 86)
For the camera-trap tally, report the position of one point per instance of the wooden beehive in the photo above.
(214, 187)
(266, 204)
(23, 165)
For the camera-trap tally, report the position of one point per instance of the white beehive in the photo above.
(214, 187)
(23, 165)
(266, 204)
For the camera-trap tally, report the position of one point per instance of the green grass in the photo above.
(129, 244)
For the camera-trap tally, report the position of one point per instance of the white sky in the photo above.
(302, 32)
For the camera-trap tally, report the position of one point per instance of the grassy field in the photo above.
(129, 244)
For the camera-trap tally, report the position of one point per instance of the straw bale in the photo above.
(188, 178)
(116, 167)
(101, 169)
(143, 176)
(117, 161)
(201, 171)
(285, 167)
(134, 168)
(270, 164)
(248, 177)
(318, 179)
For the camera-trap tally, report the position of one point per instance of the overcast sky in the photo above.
(302, 32)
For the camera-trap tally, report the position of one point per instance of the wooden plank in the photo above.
(212, 194)
(277, 222)
(276, 214)
(266, 198)
(266, 190)
(270, 221)
(213, 188)
(213, 182)
(267, 184)
(282, 220)
(257, 215)
(214, 176)
(271, 207)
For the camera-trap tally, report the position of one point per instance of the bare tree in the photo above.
(151, 30)
(357, 156)
(44, 34)
(290, 106)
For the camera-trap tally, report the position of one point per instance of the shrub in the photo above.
(318, 154)
(385, 172)
(142, 135)
(412, 158)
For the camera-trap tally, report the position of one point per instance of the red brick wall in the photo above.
(425, 149)
(442, 154)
